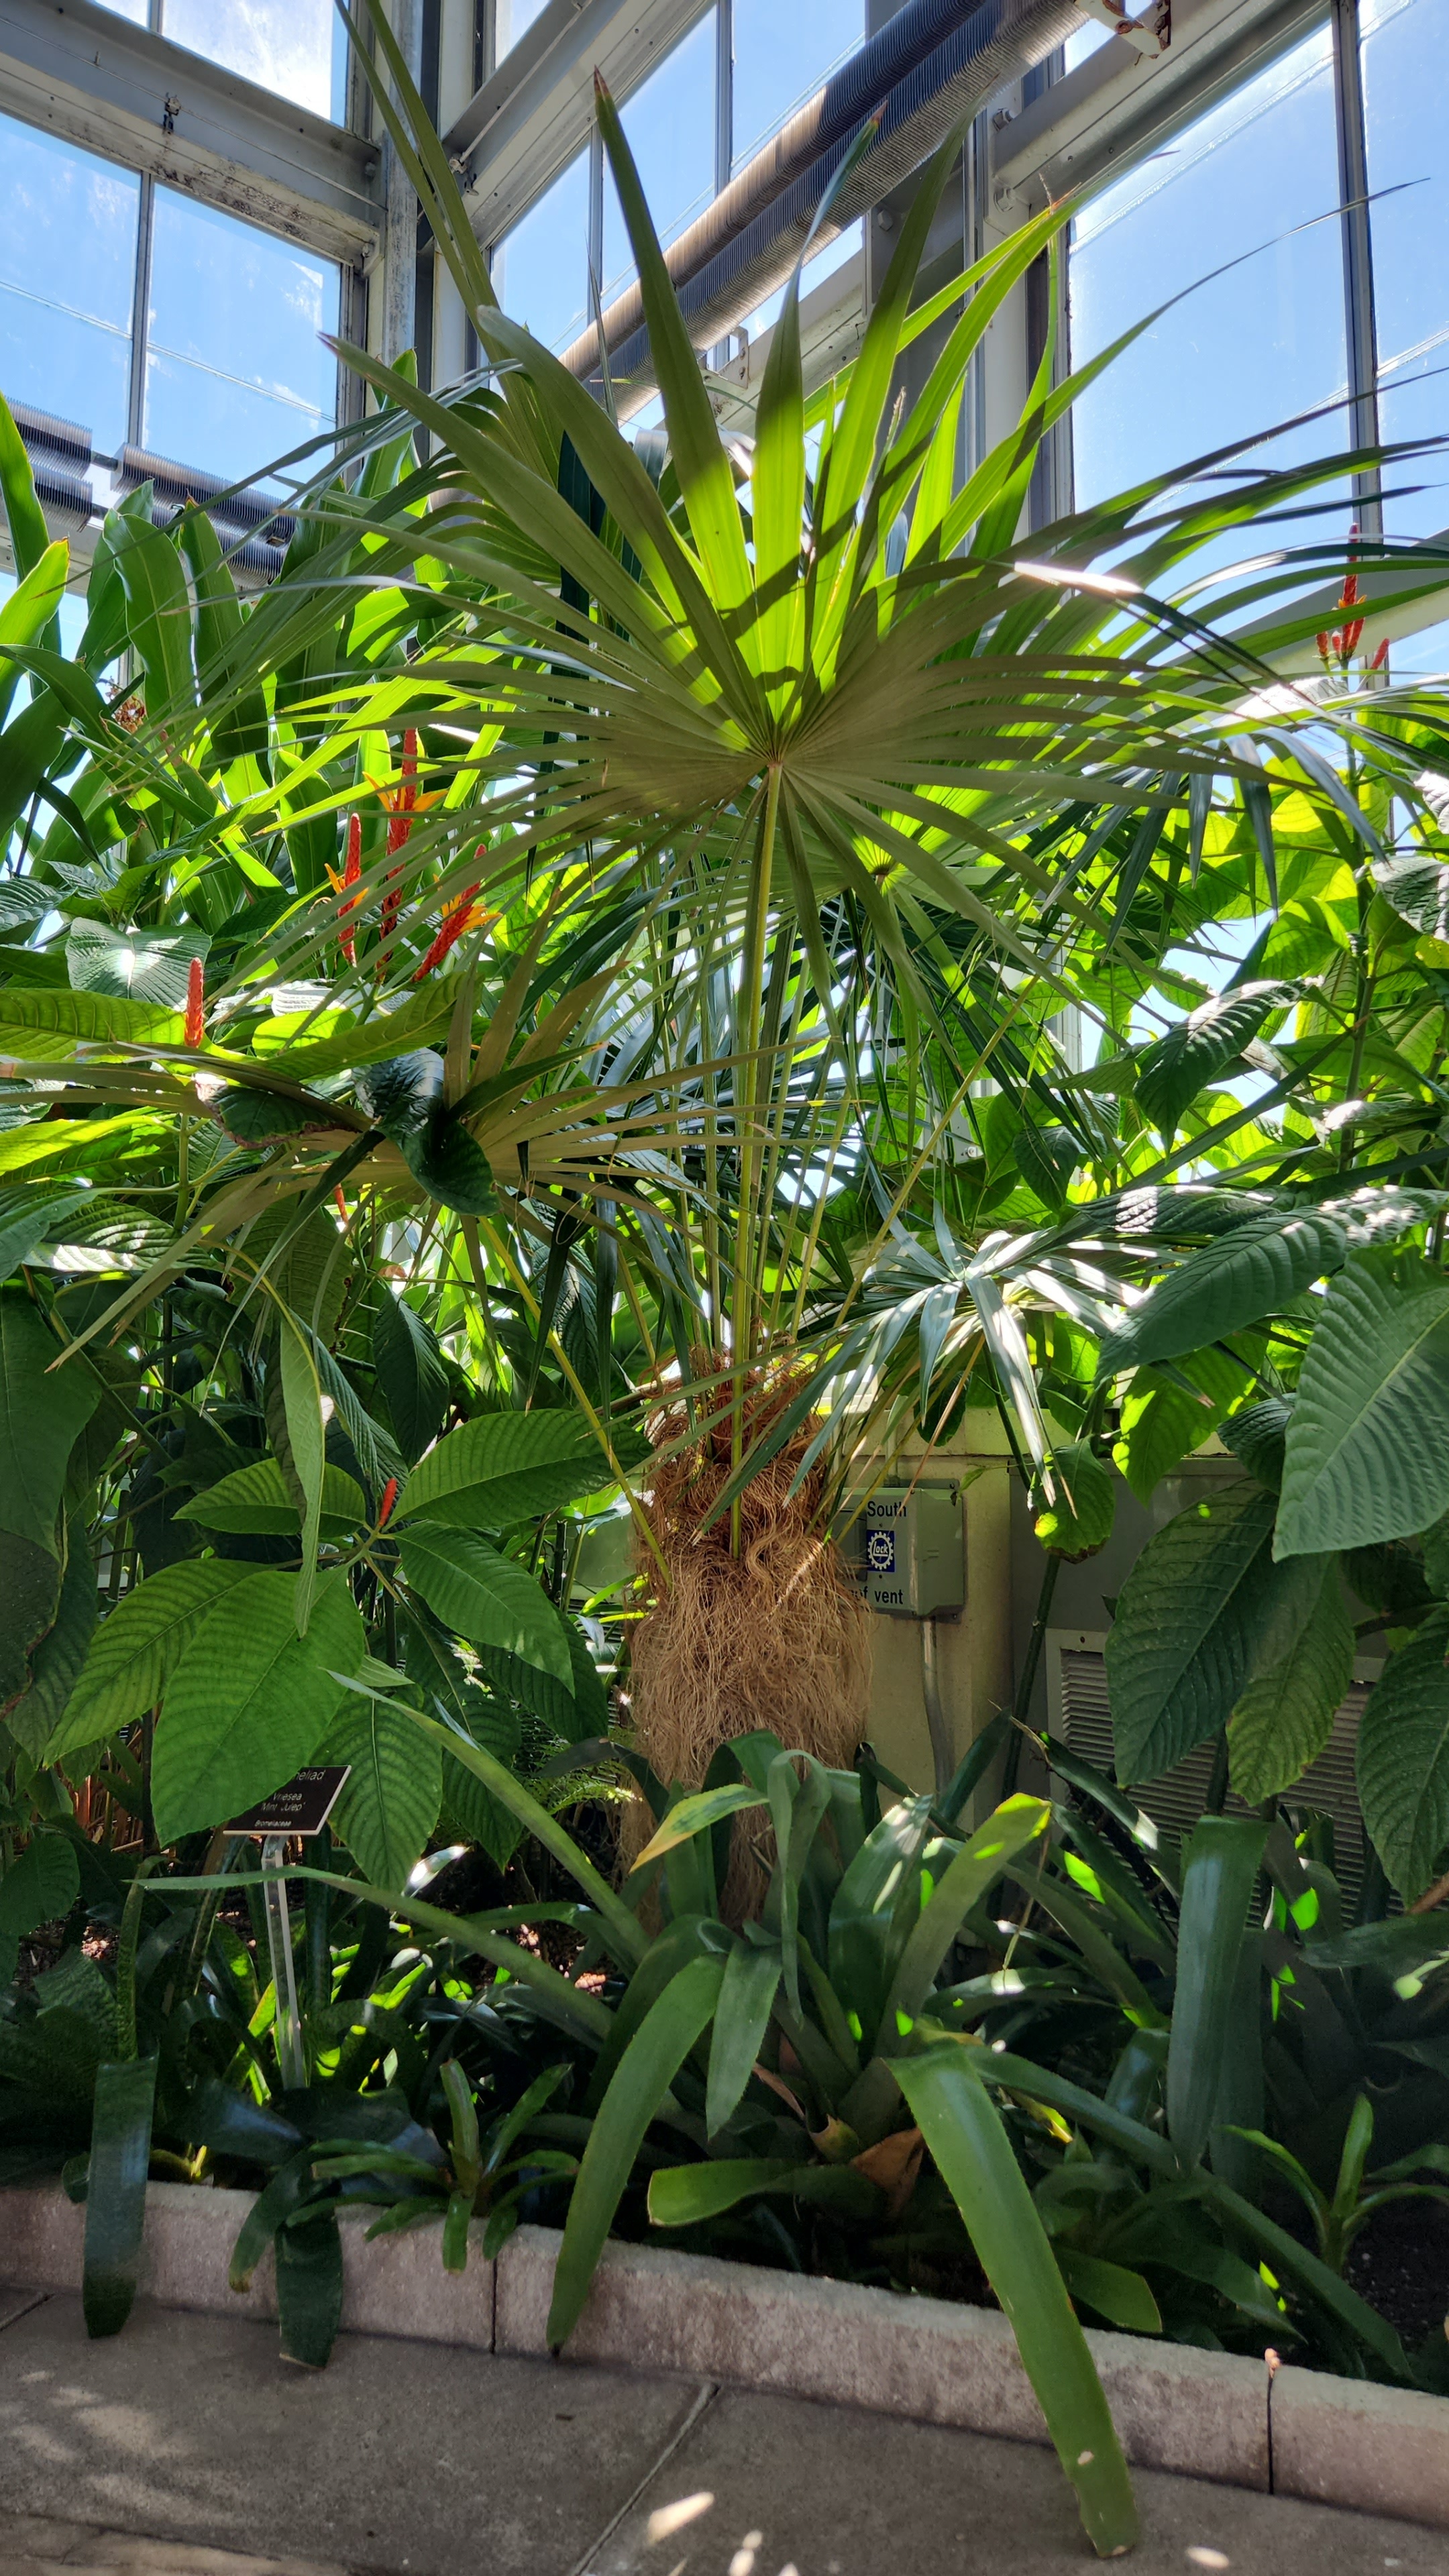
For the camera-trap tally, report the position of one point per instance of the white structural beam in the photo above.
(535, 110)
(1117, 105)
(90, 77)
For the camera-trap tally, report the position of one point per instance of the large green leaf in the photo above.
(645, 2072)
(623, 1934)
(158, 615)
(40, 1885)
(136, 1648)
(1368, 1441)
(742, 2017)
(410, 1372)
(486, 1598)
(250, 1700)
(502, 1468)
(309, 2288)
(1077, 1520)
(152, 966)
(116, 2190)
(1283, 1719)
(56, 1663)
(390, 1803)
(1403, 1759)
(42, 1023)
(30, 1578)
(298, 1430)
(974, 1869)
(1176, 1067)
(1192, 1622)
(1255, 1271)
(42, 1408)
(1164, 1419)
(1221, 1865)
(977, 2162)
(874, 1909)
(257, 1502)
(29, 1211)
(24, 517)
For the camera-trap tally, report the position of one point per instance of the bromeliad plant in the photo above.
(801, 2061)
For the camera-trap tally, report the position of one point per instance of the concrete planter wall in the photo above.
(1206, 2415)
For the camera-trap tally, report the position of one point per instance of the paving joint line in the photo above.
(36, 2300)
(704, 2399)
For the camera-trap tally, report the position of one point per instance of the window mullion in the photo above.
(1358, 273)
(141, 315)
(724, 93)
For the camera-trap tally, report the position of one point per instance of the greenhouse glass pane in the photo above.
(138, 11)
(295, 48)
(669, 122)
(512, 19)
(1084, 41)
(236, 373)
(1408, 145)
(541, 271)
(67, 278)
(1246, 349)
(781, 57)
(1424, 656)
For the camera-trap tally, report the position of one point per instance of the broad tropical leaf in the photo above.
(257, 1502)
(1191, 1626)
(977, 2162)
(486, 1598)
(390, 1804)
(1283, 1720)
(250, 1700)
(1256, 1270)
(1368, 1441)
(502, 1468)
(1221, 1864)
(136, 1648)
(42, 1409)
(1403, 1759)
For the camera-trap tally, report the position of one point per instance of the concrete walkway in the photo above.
(186, 2447)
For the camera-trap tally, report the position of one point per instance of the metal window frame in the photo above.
(127, 94)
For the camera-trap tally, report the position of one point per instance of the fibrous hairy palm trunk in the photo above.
(754, 1622)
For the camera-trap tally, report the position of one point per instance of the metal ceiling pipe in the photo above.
(931, 68)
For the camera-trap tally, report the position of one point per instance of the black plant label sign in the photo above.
(301, 1806)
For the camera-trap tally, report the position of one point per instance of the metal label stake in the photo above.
(300, 1806)
(291, 2056)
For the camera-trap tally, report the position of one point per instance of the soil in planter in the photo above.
(1400, 2264)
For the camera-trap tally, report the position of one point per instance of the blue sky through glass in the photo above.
(295, 48)
(669, 122)
(1250, 348)
(67, 275)
(236, 373)
(781, 56)
(1408, 138)
(541, 272)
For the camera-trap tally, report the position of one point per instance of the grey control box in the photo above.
(906, 1543)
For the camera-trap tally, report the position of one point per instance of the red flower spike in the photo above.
(1381, 656)
(459, 915)
(195, 1028)
(1351, 634)
(351, 871)
(1321, 641)
(341, 1202)
(389, 1497)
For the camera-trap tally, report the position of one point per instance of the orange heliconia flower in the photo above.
(351, 871)
(460, 913)
(195, 1026)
